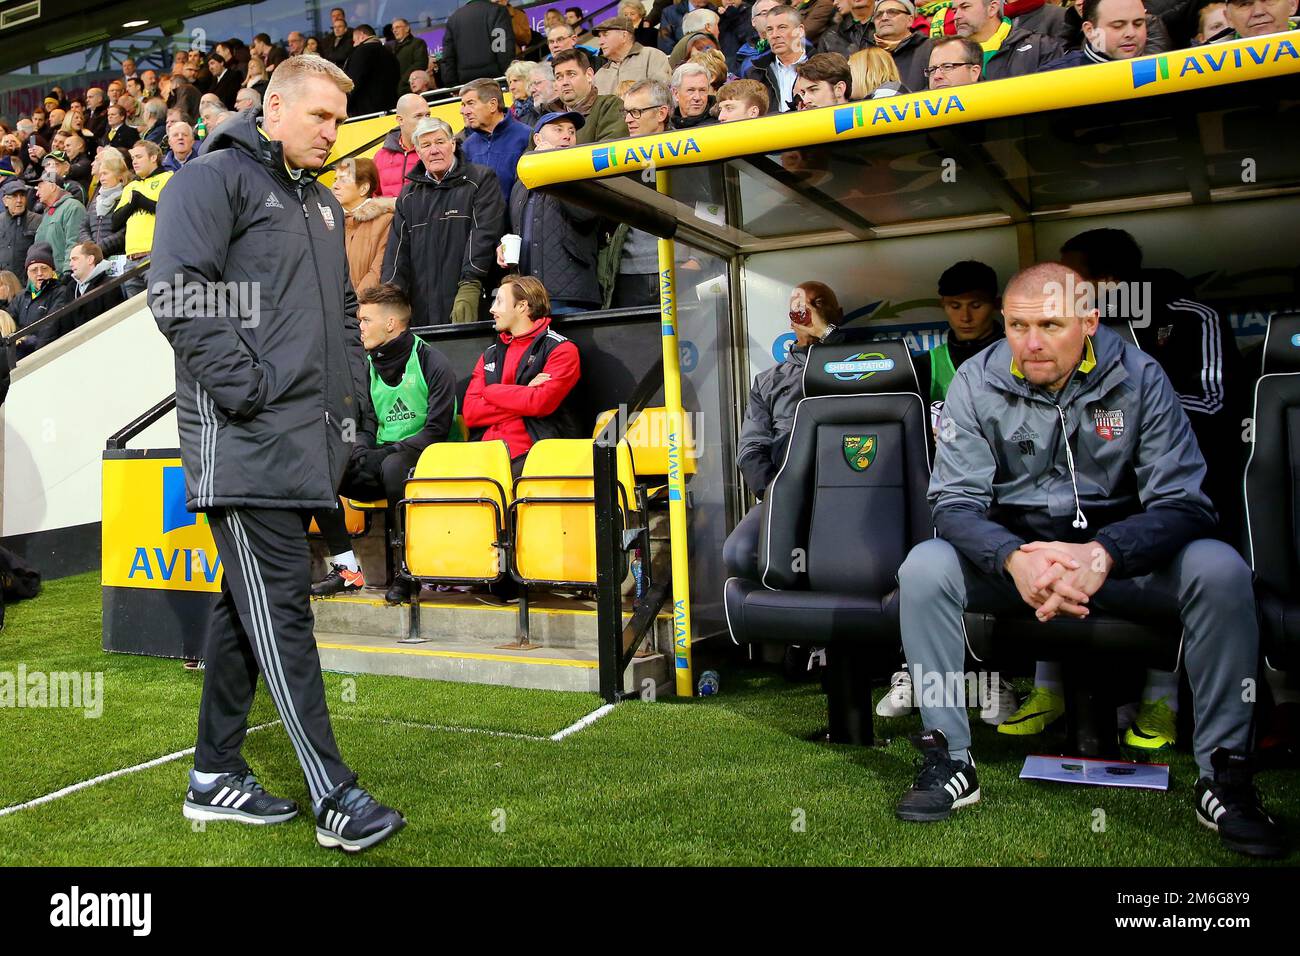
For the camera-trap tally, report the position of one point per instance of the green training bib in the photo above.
(402, 408)
(942, 372)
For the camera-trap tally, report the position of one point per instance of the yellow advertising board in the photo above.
(1174, 72)
(149, 539)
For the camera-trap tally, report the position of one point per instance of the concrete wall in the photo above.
(64, 403)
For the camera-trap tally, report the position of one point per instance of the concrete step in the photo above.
(555, 621)
(546, 668)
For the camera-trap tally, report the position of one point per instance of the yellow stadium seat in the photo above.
(554, 539)
(647, 434)
(455, 512)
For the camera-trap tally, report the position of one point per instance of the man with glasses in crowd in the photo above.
(955, 61)
(894, 35)
(628, 267)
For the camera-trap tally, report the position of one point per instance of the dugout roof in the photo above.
(1189, 127)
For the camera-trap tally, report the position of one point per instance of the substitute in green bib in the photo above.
(413, 393)
(968, 295)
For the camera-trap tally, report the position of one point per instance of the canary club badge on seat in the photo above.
(859, 451)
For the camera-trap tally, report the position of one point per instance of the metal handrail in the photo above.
(119, 438)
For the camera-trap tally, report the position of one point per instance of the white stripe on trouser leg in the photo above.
(272, 675)
(260, 610)
(264, 633)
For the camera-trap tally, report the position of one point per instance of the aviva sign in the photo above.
(1197, 68)
(149, 539)
(1215, 60)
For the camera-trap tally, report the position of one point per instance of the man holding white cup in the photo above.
(550, 239)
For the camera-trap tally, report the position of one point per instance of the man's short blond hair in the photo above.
(292, 75)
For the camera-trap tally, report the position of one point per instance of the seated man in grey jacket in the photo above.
(1067, 478)
(769, 415)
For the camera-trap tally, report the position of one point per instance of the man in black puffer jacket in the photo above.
(18, 224)
(478, 43)
(270, 393)
(446, 224)
(559, 240)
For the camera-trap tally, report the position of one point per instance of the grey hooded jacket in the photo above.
(1002, 475)
(267, 402)
(769, 416)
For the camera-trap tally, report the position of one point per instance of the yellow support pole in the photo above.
(676, 476)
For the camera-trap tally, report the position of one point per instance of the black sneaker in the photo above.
(1229, 804)
(338, 581)
(942, 785)
(237, 796)
(401, 590)
(352, 820)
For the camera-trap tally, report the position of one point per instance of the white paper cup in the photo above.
(711, 288)
(510, 248)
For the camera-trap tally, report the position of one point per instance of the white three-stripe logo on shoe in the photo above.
(1210, 804)
(243, 798)
(216, 801)
(230, 800)
(961, 778)
(953, 791)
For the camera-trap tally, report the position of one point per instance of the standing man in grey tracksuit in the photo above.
(270, 393)
(1067, 478)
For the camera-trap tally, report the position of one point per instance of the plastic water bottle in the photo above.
(637, 575)
(708, 685)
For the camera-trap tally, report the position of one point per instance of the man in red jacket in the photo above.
(520, 388)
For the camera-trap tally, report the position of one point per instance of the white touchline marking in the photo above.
(587, 721)
(444, 727)
(102, 778)
(573, 728)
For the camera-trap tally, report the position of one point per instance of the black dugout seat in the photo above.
(1272, 489)
(846, 506)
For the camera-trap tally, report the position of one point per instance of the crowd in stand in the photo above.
(83, 174)
(438, 218)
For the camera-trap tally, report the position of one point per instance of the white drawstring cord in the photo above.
(1080, 521)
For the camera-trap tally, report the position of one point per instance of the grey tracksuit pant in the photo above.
(1207, 584)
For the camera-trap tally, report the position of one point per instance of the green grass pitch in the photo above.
(723, 781)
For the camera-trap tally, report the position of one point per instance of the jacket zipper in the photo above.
(320, 289)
